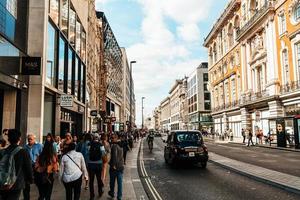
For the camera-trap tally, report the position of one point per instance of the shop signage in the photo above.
(94, 113)
(31, 66)
(66, 100)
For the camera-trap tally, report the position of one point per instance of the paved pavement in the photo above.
(132, 186)
(214, 183)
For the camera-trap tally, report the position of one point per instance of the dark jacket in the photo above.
(23, 168)
(116, 160)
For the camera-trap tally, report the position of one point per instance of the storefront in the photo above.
(234, 123)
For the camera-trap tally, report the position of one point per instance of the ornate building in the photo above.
(253, 65)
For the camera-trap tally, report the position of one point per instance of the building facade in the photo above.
(253, 65)
(165, 123)
(113, 65)
(198, 99)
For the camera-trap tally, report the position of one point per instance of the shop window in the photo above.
(65, 17)
(78, 37)
(54, 10)
(51, 55)
(70, 72)
(72, 21)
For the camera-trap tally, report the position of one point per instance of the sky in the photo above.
(165, 37)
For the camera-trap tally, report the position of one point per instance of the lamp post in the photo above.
(143, 112)
(130, 116)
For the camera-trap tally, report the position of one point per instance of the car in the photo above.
(185, 146)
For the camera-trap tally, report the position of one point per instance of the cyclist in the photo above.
(150, 139)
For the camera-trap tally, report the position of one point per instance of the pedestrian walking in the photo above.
(116, 169)
(96, 154)
(104, 139)
(4, 139)
(72, 170)
(244, 135)
(22, 171)
(34, 149)
(125, 145)
(231, 135)
(250, 135)
(45, 166)
(58, 143)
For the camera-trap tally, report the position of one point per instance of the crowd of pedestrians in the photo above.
(75, 160)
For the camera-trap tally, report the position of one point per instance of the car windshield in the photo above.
(188, 137)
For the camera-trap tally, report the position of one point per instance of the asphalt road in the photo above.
(282, 161)
(214, 183)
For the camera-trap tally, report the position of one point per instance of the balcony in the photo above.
(268, 6)
(229, 105)
(290, 87)
(253, 96)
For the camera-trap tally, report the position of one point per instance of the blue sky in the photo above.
(165, 37)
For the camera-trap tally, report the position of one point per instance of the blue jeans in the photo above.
(113, 175)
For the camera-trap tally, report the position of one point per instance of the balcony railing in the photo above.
(229, 105)
(290, 87)
(253, 96)
(258, 13)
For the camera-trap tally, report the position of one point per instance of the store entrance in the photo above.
(64, 128)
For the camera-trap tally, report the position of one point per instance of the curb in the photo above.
(269, 147)
(257, 178)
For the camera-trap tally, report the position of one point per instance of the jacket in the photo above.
(23, 168)
(116, 160)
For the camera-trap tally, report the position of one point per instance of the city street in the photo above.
(192, 182)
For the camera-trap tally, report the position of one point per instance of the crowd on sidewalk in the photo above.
(75, 160)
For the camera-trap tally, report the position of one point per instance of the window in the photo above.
(297, 46)
(297, 13)
(70, 64)
(233, 89)
(83, 45)
(51, 55)
(82, 74)
(205, 87)
(11, 6)
(282, 24)
(285, 65)
(7, 49)
(207, 96)
(76, 78)
(61, 64)
(54, 10)
(72, 21)
(65, 17)
(207, 105)
(78, 37)
(205, 77)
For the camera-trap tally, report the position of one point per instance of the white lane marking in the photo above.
(147, 180)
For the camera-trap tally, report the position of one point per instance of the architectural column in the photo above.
(244, 69)
(248, 55)
(272, 75)
(275, 109)
(38, 21)
(245, 118)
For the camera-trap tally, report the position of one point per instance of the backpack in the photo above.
(8, 174)
(95, 153)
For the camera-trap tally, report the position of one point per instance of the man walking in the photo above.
(34, 149)
(244, 135)
(22, 170)
(96, 154)
(116, 164)
(250, 135)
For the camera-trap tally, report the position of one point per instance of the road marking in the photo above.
(145, 159)
(152, 189)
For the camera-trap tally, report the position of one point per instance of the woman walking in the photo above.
(46, 164)
(106, 159)
(72, 170)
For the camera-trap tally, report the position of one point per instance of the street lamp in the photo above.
(130, 116)
(143, 112)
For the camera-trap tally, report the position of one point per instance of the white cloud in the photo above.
(189, 32)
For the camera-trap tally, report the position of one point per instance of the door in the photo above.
(64, 128)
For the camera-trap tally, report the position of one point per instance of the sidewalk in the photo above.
(132, 186)
(278, 179)
(239, 140)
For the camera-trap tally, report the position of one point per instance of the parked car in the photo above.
(185, 146)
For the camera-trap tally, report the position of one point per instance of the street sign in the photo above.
(66, 100)
(94, 113)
